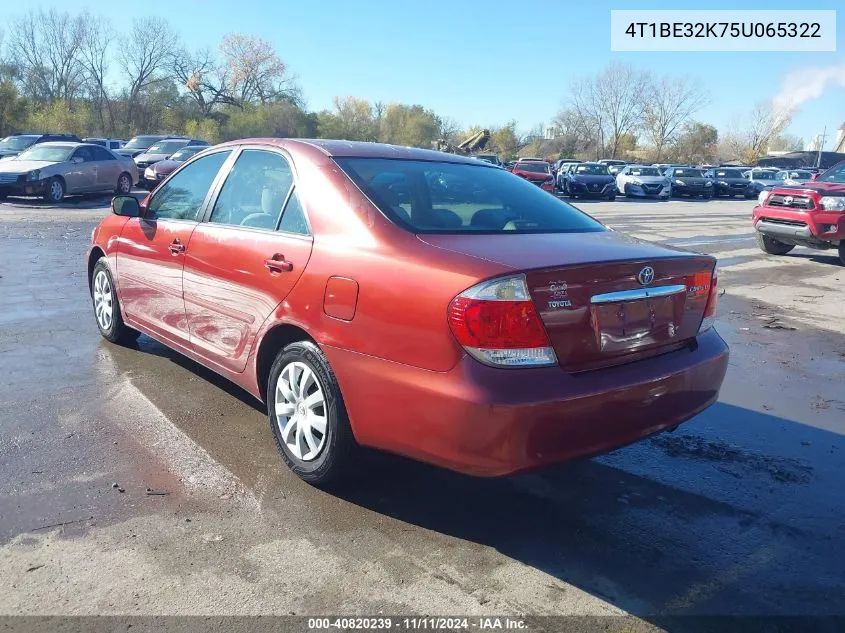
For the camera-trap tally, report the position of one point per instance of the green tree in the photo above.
(505, 141)
(352, 119)
(413, 126)
(696, 144)
(12, 109)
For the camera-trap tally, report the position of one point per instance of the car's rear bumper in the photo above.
(485, 421)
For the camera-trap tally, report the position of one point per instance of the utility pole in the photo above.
(821, 147)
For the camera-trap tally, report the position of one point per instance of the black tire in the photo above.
(124, 189)
(3, 196)
(842, 253)
(55, 190)
(113, 329)
(771, 246)
(337, 444)
(611, 197)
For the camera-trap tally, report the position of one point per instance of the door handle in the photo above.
(176, 247)
(278, 264)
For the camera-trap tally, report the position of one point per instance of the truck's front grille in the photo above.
(793, 202)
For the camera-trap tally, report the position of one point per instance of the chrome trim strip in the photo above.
(640, 293)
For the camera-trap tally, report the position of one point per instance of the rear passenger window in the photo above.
(101, 153)
(293, 219)
(254, 191)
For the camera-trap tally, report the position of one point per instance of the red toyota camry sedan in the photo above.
(409, 300)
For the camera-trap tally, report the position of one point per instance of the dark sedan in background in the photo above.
(157, 172)
(16, 143)
(140, 144)
(589, 180)
(163, 150)
(689, 181)
(730, 182)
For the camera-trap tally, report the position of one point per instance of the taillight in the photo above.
(710, 310)
(496, 323)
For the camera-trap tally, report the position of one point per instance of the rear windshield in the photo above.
(592, 170)
(18, 143)
(166, 147)
(764, 175)
(644, 171)
(435, 197)
(535, 168)
(141, 142)
(689, 173)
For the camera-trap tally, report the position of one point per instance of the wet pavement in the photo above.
(136, 481)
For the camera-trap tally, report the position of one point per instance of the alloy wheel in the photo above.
(103, 300)
(300, 406)
(124, 184)
(56, 190)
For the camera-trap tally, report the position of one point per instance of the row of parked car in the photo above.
(609, 177)
(54, 165)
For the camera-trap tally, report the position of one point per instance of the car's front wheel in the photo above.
(107, 308)
(307, 415)
(842, 253)
(772, 246)
(55, 190)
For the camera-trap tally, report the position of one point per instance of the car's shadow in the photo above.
(81, 201)
(652, 548)
(738, 513)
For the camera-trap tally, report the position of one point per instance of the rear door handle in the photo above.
(176, 247)
(278, 264)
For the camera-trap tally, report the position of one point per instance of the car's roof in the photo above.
(72, 144)
(362, 149)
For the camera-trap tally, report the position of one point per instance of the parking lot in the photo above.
(140, 467)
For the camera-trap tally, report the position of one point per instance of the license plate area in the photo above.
(624, 326)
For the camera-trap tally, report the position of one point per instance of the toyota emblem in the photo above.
(646, 275)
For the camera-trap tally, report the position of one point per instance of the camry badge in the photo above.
(646, 275)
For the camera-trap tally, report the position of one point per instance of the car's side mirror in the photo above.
(126, 206)
(76, 159)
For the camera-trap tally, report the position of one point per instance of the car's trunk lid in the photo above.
(604, 299)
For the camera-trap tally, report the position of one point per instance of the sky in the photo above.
(483, 62)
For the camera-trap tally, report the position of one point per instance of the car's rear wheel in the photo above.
(107, 308)
(307, 415)
(55, 190)
(124, 184)
(772, 246)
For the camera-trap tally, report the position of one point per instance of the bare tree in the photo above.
(47, 47)
(752, 136)
(145, 57)
(253, 71)
(94, 56)
(668, 105)
(199, 74)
